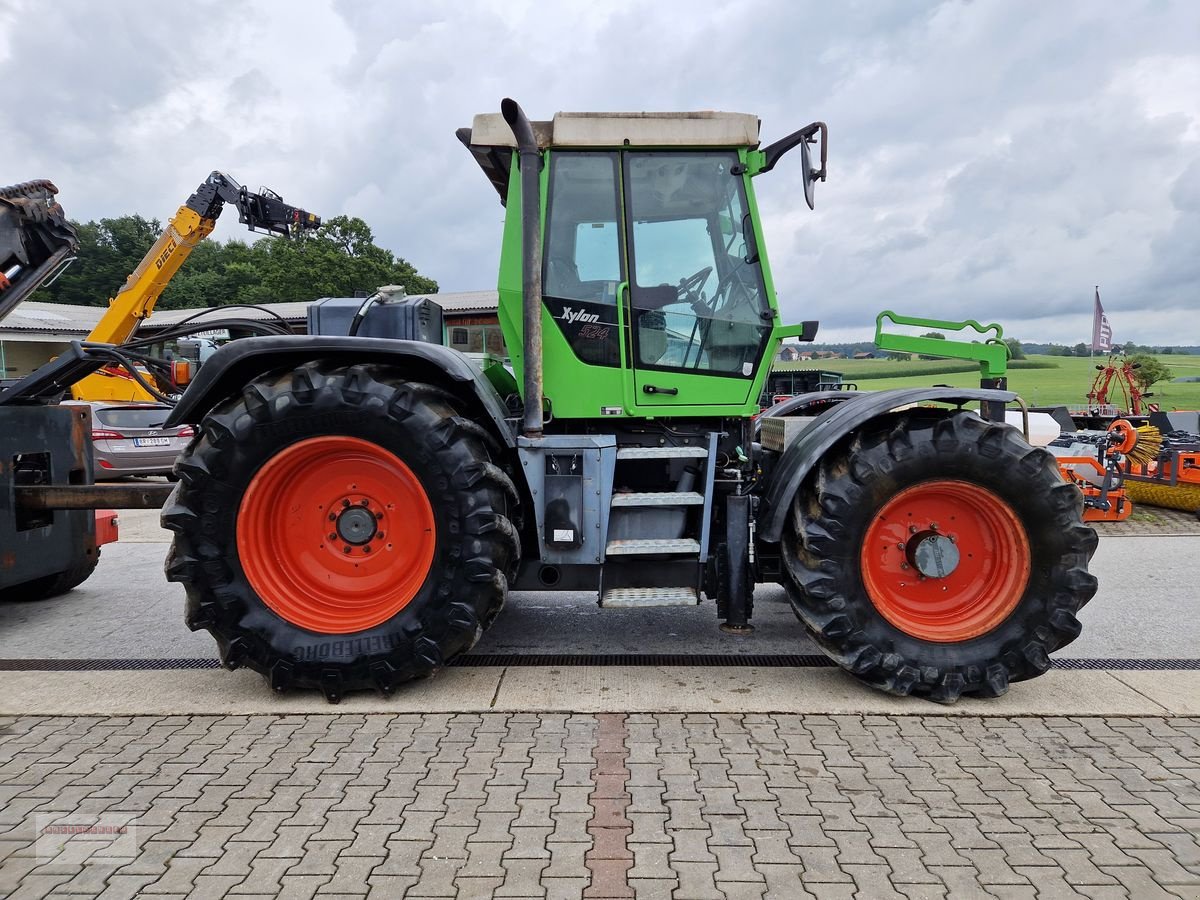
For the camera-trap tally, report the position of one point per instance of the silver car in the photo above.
(129, 439)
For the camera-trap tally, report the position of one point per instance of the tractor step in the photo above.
(659, 498)
(648, 546)
(628, 598)
(662, 453)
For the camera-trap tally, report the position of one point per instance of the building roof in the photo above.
(57, 322)
(46, 322)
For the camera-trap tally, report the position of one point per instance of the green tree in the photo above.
(1015, 350)
(1148, 370)
(337, 260)
(1082, 349)
(109, 250)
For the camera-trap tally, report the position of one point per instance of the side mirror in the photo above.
(803, 137)
(810, 183)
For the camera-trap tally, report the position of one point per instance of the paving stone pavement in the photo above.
(555, 806)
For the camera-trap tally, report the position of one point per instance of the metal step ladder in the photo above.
(653, 536)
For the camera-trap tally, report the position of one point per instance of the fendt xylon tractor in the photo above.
(354, 509)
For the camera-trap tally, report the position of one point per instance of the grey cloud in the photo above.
(987, 159)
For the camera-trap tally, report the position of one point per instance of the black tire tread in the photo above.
(471, 568)
(52, 585)
(820, 548)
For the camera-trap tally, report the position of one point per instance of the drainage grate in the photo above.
(712, 660)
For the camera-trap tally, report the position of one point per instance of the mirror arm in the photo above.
(774, 152)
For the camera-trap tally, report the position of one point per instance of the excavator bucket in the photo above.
(36, 240)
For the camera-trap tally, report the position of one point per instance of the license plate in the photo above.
(151, 442)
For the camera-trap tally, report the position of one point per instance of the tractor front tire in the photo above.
(939, 556)
(338, 528)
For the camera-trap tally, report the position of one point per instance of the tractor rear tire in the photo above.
(1003, 565)
(341, 529)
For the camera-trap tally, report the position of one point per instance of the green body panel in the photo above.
(575, 389)
(991, 354)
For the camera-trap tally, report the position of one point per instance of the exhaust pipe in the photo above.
(531, 262)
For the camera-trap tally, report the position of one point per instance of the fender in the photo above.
(833, 425)
(240, 362)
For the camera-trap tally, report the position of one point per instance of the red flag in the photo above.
(1101, 330)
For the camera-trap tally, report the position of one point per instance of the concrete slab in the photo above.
(1177, 691)
(582, 689)
(823, 691)
(218, 692)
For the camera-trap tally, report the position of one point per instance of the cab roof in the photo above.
(491, 141)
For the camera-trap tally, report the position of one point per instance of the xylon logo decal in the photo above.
(571, 316)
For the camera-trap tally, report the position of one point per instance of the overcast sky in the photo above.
(991, 160)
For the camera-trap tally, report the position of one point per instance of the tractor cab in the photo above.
(656, 293)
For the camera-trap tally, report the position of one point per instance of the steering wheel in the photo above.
(689, 288)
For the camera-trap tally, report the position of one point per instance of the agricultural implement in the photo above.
(1102, 476)
(1171, 478)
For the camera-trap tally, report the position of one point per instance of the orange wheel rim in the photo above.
(945, 561)
(335, 534)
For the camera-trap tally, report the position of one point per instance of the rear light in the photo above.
(102, 435)
(105, 464)
(186, 431)
(181, 372)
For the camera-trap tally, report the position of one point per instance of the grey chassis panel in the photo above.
(69, 537)
(834, 424)
(240, 362)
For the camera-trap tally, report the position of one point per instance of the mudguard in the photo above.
(239, 362)
(834, 424)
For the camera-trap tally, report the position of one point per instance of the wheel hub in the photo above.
(933, 555)
(356, 525)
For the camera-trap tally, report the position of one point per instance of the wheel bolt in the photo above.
(345, 503)
(367, 548)
(378, 515)
(333, 517)
(900, 546)
(345, 549)
(366, 502)
(379, 535)
(912, 529)
(933, 526)
(904, 566)
(333, 535)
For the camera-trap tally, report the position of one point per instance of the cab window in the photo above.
(582, 254)
(697, 296)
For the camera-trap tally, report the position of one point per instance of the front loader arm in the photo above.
(36, 240)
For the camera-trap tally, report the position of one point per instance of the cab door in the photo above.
(696, 304)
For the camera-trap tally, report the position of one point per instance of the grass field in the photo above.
(1064, 382)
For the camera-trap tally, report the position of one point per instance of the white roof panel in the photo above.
(616, 129)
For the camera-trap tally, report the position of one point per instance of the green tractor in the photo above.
(354, 509)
